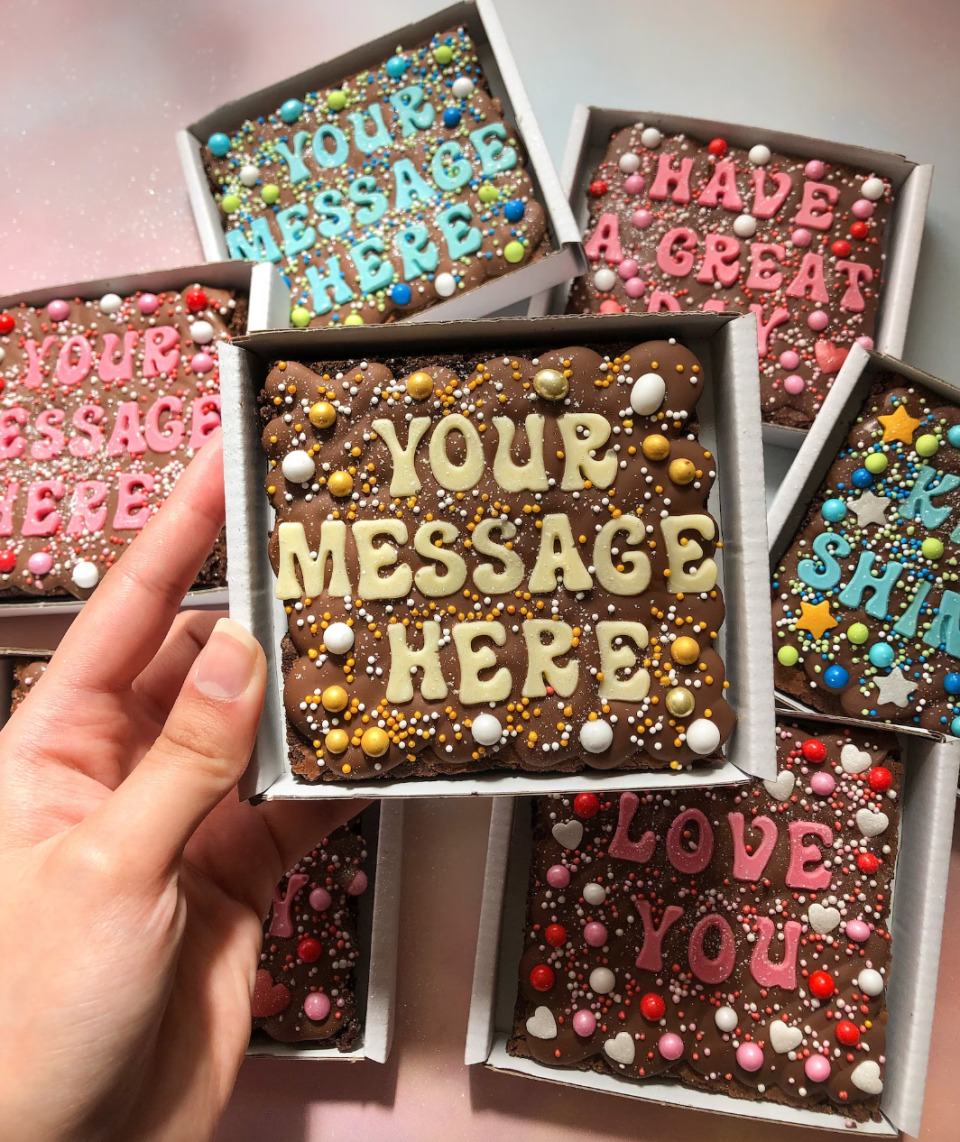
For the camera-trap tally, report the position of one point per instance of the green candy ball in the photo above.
(931, 548)
(270, 193)
(858, 633)
(300, 317)
(488, 193)
(927, 445)
(336, 100)
(513, 251)
(353, 319)
(788, 656)
(230, 203)
(443, 55)
(876, 463)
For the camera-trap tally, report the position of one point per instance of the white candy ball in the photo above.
(629, 162)
(596, 736)
(110, 303)
(249, 175)
(462, 86)
(744, 225)
(870, 982)
(726, 1019)
(873, 189)
(201, 332)
(604, 279)
(759, 155)
(594, 894)
(338, 638)
(486, 729)
(86, 575)
(298, 467)
(651, 137)
(647, 394)
(444, 284)
(602, 981)
(703, 737)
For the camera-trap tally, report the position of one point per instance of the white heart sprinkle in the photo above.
(823, 920)
(621, 1049)
(782, 787)
(854, 760)
(541, 1024)
(872, 824)
(784, 1038)
(568, 833)
(866, 1077)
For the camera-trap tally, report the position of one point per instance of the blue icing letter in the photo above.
(420, 255)
(407, 104)
(461, 237)
(334, 280)
(907, 623)
(336, 217)
(374, 272)
(457, 174)
(864, 579)
(945, 629)
(373, 205)
(258, 247)
(409, 183)
(918, 501)
(366, 142)
(341, 149)
(824, 546)
(494, 156)
(294, 160)
(296, 236)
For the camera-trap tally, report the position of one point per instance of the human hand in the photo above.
(133, 881)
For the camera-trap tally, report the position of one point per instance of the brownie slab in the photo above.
(734, 938)
(678, 223)
(495, 564)
(400, 187)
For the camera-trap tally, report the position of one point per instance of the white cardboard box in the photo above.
(729, 414)
(587, 143)
(480, 17)
(919, 896)
(268, 307)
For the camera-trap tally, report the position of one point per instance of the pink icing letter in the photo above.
(35, 357)
(722, 188)
(764, 273)
(41, 516)
(712, 971)
(280, 922)
(682, 859)
(6, 508)
(70, 372)
(621, 846)
(763, 969)
(660, 301)
(764, 207)
(12, 443)
(161, 353)
(204, 419)
(798, 876)
(85, 421)
(856, 272)
(678, 265)
(88, 514)
(111, 370)
(48, 425)
(750, 866)
(126, 435)
(809, 277)
(818, 198)
(605, 240)
(720, 262)
(765, 328)
(157, 439)
(667, 177)
(132, 500)
(651, 957)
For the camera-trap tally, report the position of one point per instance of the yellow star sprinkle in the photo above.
(900, 425)
(816, 619)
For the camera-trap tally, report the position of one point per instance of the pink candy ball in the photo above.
(789, 359)
(818, 320)
(39, 563)
(584, 1023)
(822, 784)
(148, 303)
(316, 1006)
(610, 306)
(670, 1046)
(857, 931)
(58, 310)
(862, 208)
(815, 169)
(749, 1056)
(866, 342)
(642, 219)
(793, 385)
(201, 362)
(634, 287)
(595, 934)
(557, 876)
(628, 268)
(800, 237)
(634, 184)
(358, 884)
(817, 1068)
(320, 900)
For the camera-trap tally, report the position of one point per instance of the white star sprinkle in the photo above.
(869, 509)
(894, 688)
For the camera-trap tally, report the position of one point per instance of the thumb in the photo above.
(197, 759)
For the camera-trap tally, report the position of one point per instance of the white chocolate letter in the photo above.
(542, 671)
(556, 528)
(427, 579)
(486, 578)
(513, 477)
(372, 585)
(473, 689)
(405, 480)
(636, 687)
(295, 549)
(630, 582)
(404, 662)
(456, 477)
(679, 554)
(577, 451)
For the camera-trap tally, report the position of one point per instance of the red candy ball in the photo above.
(847, 1033)
(880, 779)
(196, 300)
(598, 188)
(718, 147)
(814, 750)
(7, 562)
(586, 805)
(859, 229)
(652, 1007)
(821, 984)
(6, 324)
(309, 950)
(542, 978)
(867, 863)
(841, 247)
(556, 935)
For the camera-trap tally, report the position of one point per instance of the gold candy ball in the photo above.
(337, 741)
(679, 702)
(334, 698)
(374, 742)
(340, 484)
(656, 447)
(323, 414)
(420, 385)
(551, 384)
(682, 471)
(685, 650)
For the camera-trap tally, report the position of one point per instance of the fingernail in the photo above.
(226, 663)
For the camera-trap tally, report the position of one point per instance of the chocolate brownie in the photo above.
(25, 674)
(103, 401)
(734, 938)
(306, 984)
(474, 486)
(866, 619)
(682, 223)
(393, 190)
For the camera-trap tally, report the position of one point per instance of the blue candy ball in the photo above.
(219, 144)
(833, 510)
(862, 478)
(952, 683)
(396, 66)
(291, 111)
(836, 677)
(881, 654)
(955, 727)
(953, 436)
(451, 117)
(401, 294)
(513, 211)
